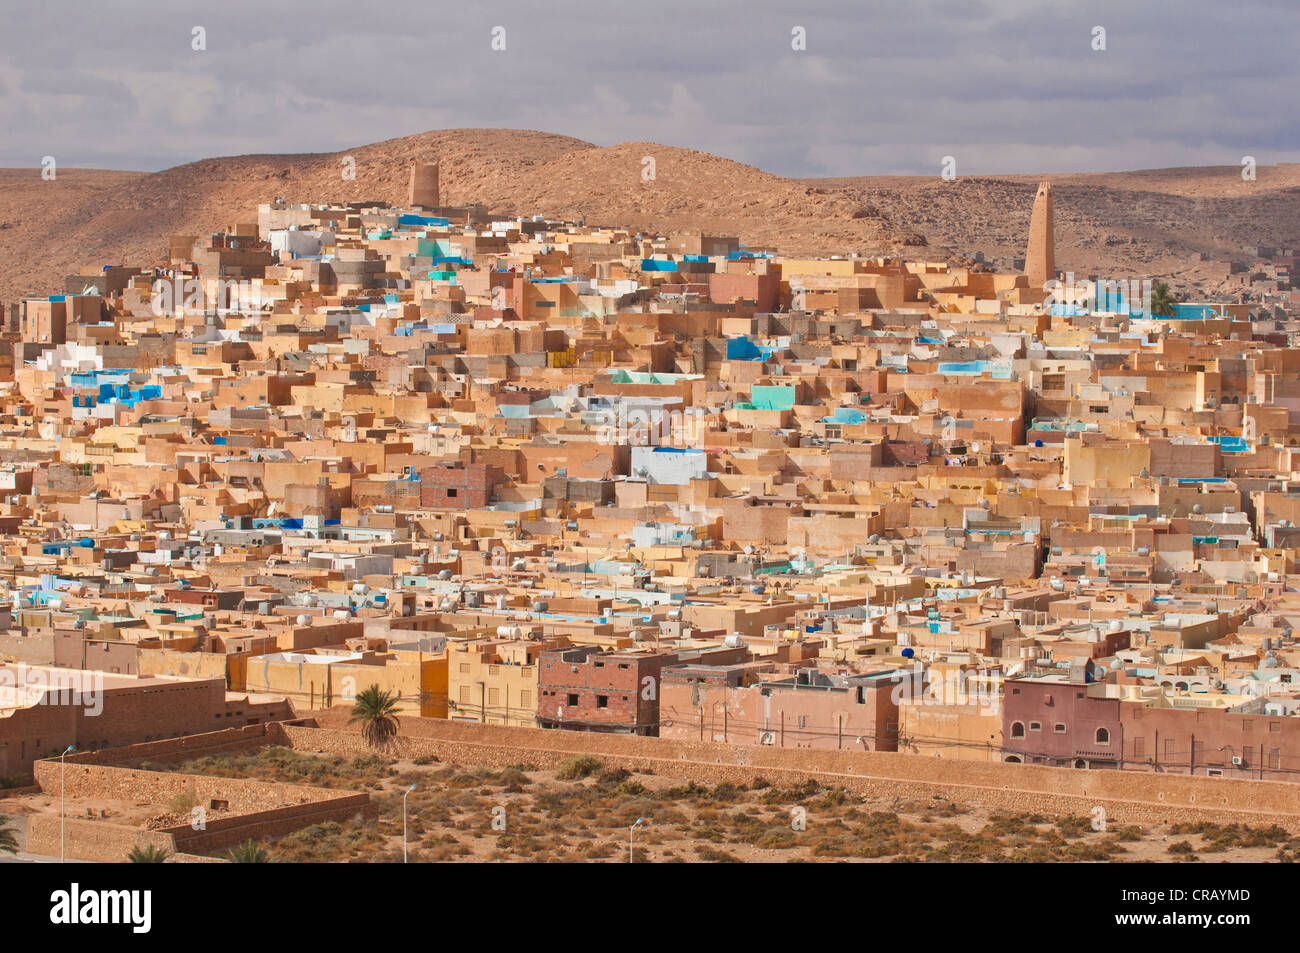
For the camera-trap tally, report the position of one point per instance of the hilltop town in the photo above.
(501, 476)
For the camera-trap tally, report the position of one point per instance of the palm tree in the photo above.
(149, 854)
(8, 840)
(248, 853)
(375, 710)
(1163, 303)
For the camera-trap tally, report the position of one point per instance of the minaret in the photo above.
(1040, 257)
(424, 186)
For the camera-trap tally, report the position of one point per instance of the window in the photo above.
(464, 695)
(464, 668)
(451, 493)
(1103, 736)
(526, 699)
(602, 701)
(573, 700)
(1018, 729)
(1139, 747)
(494, 696)
(1059, 728)
(1035, 726)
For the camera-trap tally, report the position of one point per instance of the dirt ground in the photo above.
(583, 812)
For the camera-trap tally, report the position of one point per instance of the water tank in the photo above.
(444, 574)
(501, 603)
(520, 565)
(308, 599)
(734, 641)
(342, 614)
(503, 631)
(360, 588)
(304, 619)
(541, 605)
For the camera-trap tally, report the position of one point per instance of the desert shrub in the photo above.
(578, 767)
(714, 856)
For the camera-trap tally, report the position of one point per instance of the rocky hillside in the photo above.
(1157, 222)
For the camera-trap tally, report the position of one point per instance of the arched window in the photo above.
(1103, 736)
(1018, 729)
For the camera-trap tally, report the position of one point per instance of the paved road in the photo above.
(25, 858)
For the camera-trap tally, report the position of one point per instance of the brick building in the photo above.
(45, 709)
(586, 689)
(1061, 720)
(459, 486)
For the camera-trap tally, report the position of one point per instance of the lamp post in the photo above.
(404, 796)
(629, 838)
(63, 818)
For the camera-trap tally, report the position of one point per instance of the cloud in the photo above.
(1003, 85)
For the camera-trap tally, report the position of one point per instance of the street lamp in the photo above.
(629, 838)
(63, 818)
(404, 796)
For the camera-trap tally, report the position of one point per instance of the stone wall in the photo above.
(1127, 797)
(237, 808)
(97, 841)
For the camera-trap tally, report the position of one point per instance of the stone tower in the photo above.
(424, 185)
(1040, 257)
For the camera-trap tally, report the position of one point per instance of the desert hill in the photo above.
(1120, 224)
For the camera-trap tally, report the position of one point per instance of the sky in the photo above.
(882, 87)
